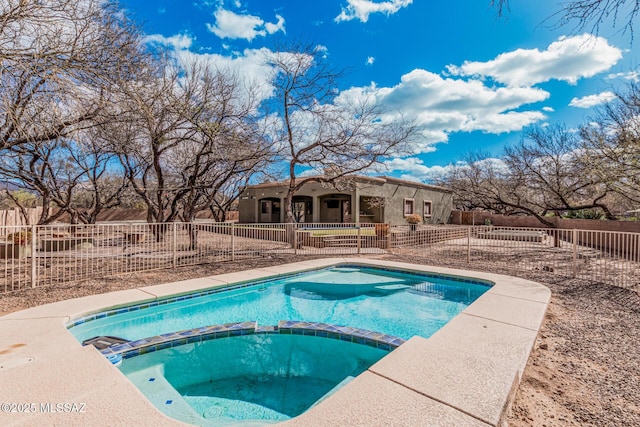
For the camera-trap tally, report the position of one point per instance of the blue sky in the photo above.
(471, 80)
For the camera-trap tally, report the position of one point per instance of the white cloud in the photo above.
(567, 59)
(414, 169)
(361, 9)
(439, 105)
(274, 28)
(446, 104)
(592, 100)
(234, 26)
(370, 60)
(633, 76)
(177, 42)
(248, 64)
(322, 50)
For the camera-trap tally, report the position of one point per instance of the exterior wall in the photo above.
(122, 214)
(617, 242)
(13, 217)
(393, 194)
(248, 204)
(479, 217)
(247, 210)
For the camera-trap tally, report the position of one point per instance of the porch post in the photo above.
(355, 206)
(315, 202)
(256, 209)
(283, 210)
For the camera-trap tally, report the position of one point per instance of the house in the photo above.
(361, 199)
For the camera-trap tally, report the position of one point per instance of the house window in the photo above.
(265, 207)
(408, 207)
(333, 204)
(427, 209)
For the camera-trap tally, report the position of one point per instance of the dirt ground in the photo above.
(583, 371)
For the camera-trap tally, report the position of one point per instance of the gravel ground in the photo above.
(584, 370)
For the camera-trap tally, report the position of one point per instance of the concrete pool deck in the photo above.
(464, 375)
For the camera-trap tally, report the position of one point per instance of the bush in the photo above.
(585, 214)
(414, 219)
(20, 237)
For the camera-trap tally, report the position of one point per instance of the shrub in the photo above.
(20, 237)
(414, 219)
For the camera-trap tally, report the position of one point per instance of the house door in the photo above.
(336, 210)
(302, 207)
(346, 211)
(269, 210)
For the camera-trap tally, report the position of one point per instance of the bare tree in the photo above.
(551, 161)
(142, 126)
(227, 146)
(611, 145)
(22, 200)
(182, 135)
(543, 175)
(482, 182)
(316, 129)
(61, 173)
(58, 59)
(42, 168)
(588, 15)
(101, 184)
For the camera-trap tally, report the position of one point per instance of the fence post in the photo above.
(34, 278)
(359, 237)
(295, 237)
(175, 244)
(389, 240)
(233, 242)
(574, 239)
(469, 245)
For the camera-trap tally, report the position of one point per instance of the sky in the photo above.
(471, 81)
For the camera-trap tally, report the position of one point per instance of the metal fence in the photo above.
(32, 256)
(603, 256)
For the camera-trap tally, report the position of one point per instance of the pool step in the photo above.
(103, 341)
(339, 241)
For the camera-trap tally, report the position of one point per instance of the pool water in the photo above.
(391, 302)
(249, 380)
(269, 377)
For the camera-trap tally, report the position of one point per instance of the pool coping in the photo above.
(465, 374)
(350, 334)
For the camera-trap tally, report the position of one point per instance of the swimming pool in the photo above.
(464, 373)
(393, 304)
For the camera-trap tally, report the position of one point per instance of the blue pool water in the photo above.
(269, 377)
(391, 302)
(250, 380)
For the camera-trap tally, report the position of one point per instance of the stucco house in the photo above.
(367, 200)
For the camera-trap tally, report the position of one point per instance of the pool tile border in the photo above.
(342, 333)
(235, 329)
(461, 279)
